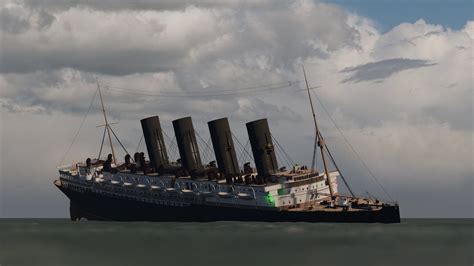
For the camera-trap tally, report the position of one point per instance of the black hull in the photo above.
(92, 206)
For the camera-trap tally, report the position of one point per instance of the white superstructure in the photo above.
(291, 190)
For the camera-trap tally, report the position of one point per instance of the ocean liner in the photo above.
(189, 191)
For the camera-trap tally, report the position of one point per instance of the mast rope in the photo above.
(139, 143)
(240, 155)
(260, 88)
(79, 129)
(278, 155)
(207, 150)
(172, 147)
(352, 149)
(171, 141)
(340, 173)
(209, 143)
(285, 155)
(101, 144)
(244, 149)
(123, 147)
(284, 159)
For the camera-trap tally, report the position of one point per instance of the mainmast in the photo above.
(318, 139)
(107, 125)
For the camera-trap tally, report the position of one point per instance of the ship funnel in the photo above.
(223, 147)
(262, 147)
(187, 145)
(154, 142)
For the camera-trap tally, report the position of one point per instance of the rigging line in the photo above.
(245, 150)
(286, 159)
(240, 156)
(140, 147)
(352, 149)
(209, 143)
(79, 129)
(170, 145)
(123, 147)
(284, 152)
(208, 150)
(173, 146)
(214, 91)
(101, 144)
(168, 137)
(139, 143)
(340, 173)
(202, 95)
(290, 83)
(279, 158)
(247, 155)
(174, 149)
(143, 147)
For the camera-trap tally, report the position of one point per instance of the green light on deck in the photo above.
(270, 200)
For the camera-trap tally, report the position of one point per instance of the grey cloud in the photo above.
(458, 115)
(120, 5)
(70, 92)
(258, 108)
(258, 47)
(11, 107)
(378, 71)
(110, 62)
(12, 23)
(45, 19)
(18, 19)
(281, 33)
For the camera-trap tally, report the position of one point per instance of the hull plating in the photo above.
(99, 207)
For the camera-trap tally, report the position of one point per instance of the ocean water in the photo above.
(61, 242)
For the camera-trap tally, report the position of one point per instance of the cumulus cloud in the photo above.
(117, 5)
(403, 97)
(15, 19)
(140, 41)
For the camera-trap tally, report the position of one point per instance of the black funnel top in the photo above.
(262, 147)
(187, 145)
(224, 146)
(154, 142)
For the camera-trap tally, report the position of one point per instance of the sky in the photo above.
(389, 13)
(393, 80)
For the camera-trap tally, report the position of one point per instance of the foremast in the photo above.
(319, 140)
(107, 125)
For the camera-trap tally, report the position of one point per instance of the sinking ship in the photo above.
(223, 190)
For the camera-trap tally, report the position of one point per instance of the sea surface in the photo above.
(62, 242)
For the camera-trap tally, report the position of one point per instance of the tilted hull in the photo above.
(94, 206)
